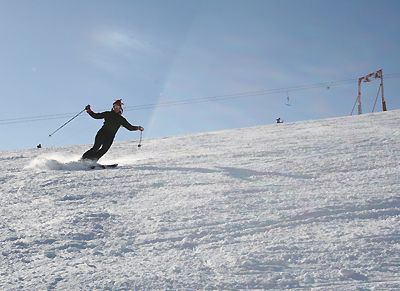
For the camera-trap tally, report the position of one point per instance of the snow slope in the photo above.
(312, 205)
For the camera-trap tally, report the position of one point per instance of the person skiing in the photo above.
(113, 120)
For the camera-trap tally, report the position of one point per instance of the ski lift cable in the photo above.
(235, 95)
(187, 101)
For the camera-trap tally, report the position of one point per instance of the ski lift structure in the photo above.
(366, 79)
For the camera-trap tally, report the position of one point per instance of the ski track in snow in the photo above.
(311, 205)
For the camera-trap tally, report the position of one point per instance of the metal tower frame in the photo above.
(368, 78)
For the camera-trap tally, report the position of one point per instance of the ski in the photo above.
(100, 166)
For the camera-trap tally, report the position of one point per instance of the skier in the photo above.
(113, 119)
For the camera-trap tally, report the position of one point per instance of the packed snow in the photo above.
(309, 205)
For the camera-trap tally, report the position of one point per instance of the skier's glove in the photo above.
(88, 109)
(141, 128)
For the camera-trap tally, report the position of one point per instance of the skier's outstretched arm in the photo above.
(131, 127)
(94, 114)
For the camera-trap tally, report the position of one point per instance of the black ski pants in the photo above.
(102, 144)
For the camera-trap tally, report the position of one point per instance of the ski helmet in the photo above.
(119, 103)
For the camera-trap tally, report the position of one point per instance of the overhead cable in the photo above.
(188, 101)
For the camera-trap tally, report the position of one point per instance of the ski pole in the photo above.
(51, 134)
(140, 141)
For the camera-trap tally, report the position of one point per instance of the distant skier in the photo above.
(279, 120)
(113, 119)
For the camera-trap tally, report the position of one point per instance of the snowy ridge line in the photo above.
(304, 206)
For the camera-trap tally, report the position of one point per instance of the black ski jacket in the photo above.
(112, 122)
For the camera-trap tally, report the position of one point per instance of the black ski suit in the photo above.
(105, 136)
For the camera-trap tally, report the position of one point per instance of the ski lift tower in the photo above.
(366, 79)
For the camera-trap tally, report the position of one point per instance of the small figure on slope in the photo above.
(113, 119)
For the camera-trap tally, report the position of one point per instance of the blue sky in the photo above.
(58, 56)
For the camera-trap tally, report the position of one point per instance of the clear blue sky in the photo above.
(58, 56)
